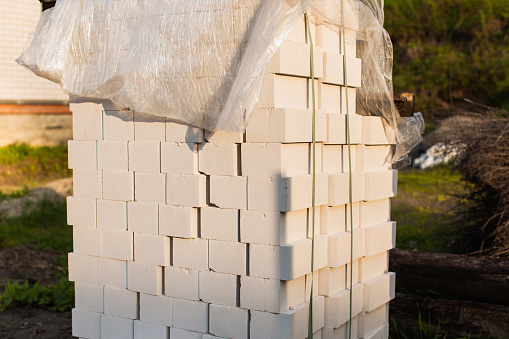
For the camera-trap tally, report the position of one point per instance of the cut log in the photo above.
(451, 275)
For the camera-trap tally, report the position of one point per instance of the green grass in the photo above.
(35, 161)
(46, 227)
(424, 208)
(450, 48)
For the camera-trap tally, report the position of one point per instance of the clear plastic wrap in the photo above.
(201, 62)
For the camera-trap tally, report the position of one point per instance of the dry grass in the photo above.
(485, 163)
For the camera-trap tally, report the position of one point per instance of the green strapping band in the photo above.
(350, 198)
(313, 200)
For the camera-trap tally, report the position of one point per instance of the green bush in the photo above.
(451, 49)
(58, 297)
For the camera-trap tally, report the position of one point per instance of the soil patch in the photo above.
(26, 262)
(23, 323)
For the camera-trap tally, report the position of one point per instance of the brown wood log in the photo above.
(451, 275)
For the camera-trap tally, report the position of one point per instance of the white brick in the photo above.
(144, 278)
(112, 214)
(331, 280)
(219, 224)
(116, 328)
(81, 212)
(218, 288)
(87, 125)
(120, 303)
(380, 333)
(82, 268)
(285, 194)
(221, 136)
(374, 158)
(144, 330)
(374, 266)
(354, 121)
(289, 324)
(228, 322)
(356, 216)
(87, 241)
(178, 221)
(156, 309)
(218, 159)
(294, 225)
(285, 262)
(331, 99)
(271, 295)
(112, 155)
(328, 38)
(118, 244)
(380, 238)
(118, 125)
(340, 245)
(375, 212)
(371, 322)
(149, 127)
(227, 257)
(333, 219)
(89, 297)
(286, 125)
(145, 156)
(259, 227)
(191, 253)
(379, 291)
(279, 91)
(182, 133)
(293, 58)
(86, 324)
(274, 159)
(179, 158)
(181, 283)
(333, 159)
(333, 68)
(339, 188)
(337, 311)
(184, 334)
(150, 187)
(336, 129)
(186, 190)
(87, 184)
(379, 185)
(112, 272)
(342, 332)
(143, 217)
(190, 315)
(298, 33)
(357, 160)
(373, 131)
(151, 249)
(118, 185)
(353, 74)
(228, 192)
(82, 155)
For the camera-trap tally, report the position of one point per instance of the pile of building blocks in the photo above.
(180, 233)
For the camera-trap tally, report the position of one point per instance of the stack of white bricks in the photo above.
(179, 233)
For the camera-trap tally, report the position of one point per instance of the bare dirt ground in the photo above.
(26, 262)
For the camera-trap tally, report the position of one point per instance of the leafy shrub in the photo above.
(58, 297)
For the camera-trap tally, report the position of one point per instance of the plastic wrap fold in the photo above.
(201, 62)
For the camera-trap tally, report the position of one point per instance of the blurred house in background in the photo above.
(32, 110)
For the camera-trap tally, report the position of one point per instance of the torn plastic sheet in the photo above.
(201, 62)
